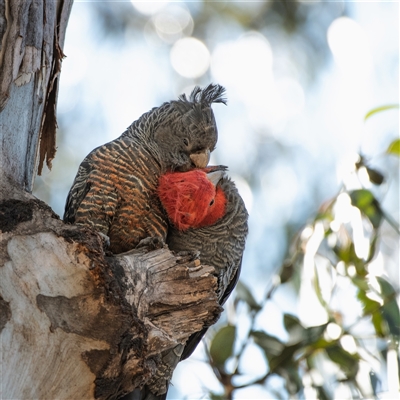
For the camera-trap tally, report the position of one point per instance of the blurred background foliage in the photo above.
(316, 312)
(335, 259)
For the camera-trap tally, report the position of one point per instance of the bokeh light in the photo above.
(349, 344)
(245, 66)
(349, 45)
(190, 57)
(149, 7)
(333, 331)
(173, 22)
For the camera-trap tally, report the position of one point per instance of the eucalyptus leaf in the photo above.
(243, 293)
(372, 246)
(270, 344)
(222, 345)
(380, 109)
(379, 325)
(375, 176)
(287, 271)
(390, 309)
(365, 201)
(369, 306)
(295, 329)
(314, 334)
(214, 396)
(349, 256)
(394, 148)
(293, 381)
(361, 283)
(348, 362)
(285, 358)
(322, 393)
(375, 382)
(291, 322)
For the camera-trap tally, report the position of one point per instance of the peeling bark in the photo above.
(32, 37)
(77, 324)
(5, 313)
(74, 324)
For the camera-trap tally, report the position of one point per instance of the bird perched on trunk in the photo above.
(115, 189)
(207, 215)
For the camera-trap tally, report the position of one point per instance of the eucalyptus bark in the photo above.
(32, 37)
(77, 324)
(74, 323)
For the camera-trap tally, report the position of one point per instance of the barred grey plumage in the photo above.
(221, 245)
(220, 241)
(114, 191)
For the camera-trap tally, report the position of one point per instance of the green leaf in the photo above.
(372, 246)
(322, 393)
(379, 325)
(361, 283)
(375, 383)
(244, 294)
(285, 358)
(222, 345)
(214, 396)
(293, 381)
(380, 109)
(369, 306)
(343, 252)
(270, 344)
(314, 334)
(357, 262)
(375, 310)
(347, 362)
(295, 329)
(394, 148)
(390, 308)
(365, 201)
(278, 354)
(375, 176)
(287, 271)
(321, 343)
(317, 288)
(349, 256)
(361, 198)
(291, 322)
(386, 288)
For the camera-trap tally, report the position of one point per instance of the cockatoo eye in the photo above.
(212, 202)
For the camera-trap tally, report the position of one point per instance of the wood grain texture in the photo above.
(77, 324)
(32, 36)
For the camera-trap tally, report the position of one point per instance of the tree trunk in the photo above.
(74, 324)
(32, 36)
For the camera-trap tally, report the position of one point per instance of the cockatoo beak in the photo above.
(215, 177)
(200, 160)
